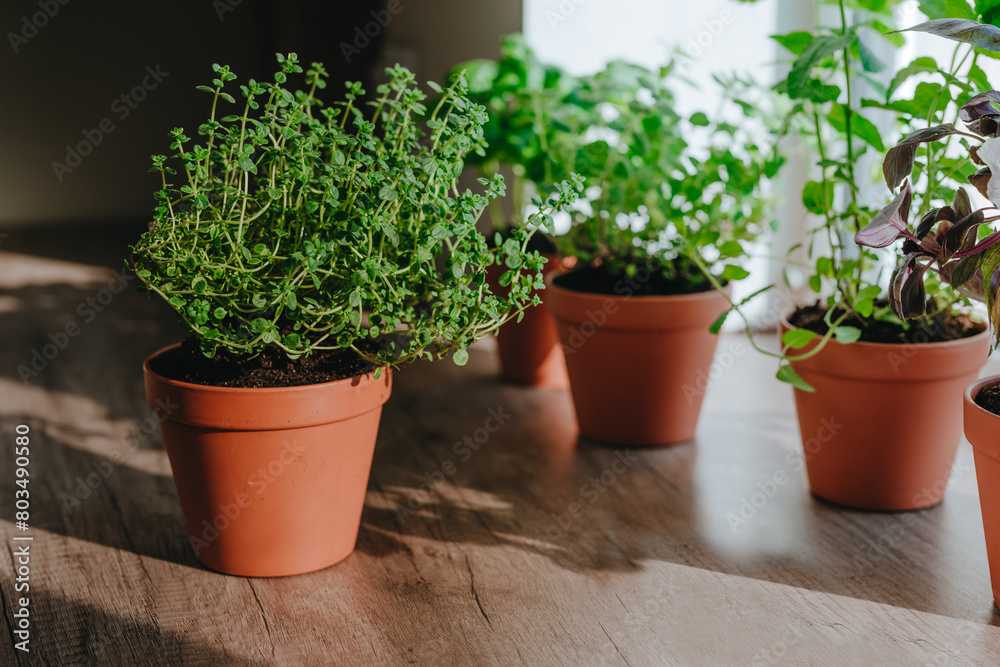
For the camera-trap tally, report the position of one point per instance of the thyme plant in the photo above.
(288, 221)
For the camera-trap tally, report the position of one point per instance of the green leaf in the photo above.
(717, 324)
(177, 302)
(787, 374)
(199, 285)
(990, 11)
(847, 335)
(734, 272)
(461, 357)
(796, 42)
(798, 338)
(920, 65)
(869, 60)
(815, 53)
(387, 193)
(731, 249)
(949, 9)
(699, 119)
(813, 197)
(861, 127)
(260, 324)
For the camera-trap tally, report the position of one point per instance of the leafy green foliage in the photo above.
(536, 120)
(653, 200)
(308, 227)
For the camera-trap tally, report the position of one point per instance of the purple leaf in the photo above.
(962, 30)
(964, 270)
(978, 106)
(907, 294)
(989, 153)
(959, 232)
(980, 180)
(961, 204)
(979, 247)
(972, 288)
(898, 161)
(927, 222)
(888, 224)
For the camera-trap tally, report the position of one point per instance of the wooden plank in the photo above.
(492, 534)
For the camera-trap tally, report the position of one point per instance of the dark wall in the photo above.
(65, 65)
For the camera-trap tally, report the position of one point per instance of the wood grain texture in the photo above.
(491, 535)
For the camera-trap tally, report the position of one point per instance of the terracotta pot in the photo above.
(982, 428)
(638, 365)
(271, 481)
(881, 430)
(529, 350)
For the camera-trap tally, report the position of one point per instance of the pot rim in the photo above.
(690, 296)
(181, 384)
(973, 390)
(786, 325)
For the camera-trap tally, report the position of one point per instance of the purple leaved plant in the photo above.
(946, 239)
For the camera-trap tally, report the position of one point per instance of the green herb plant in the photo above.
(822, 85)
(537, 119)
(654, 202)
(289, 220)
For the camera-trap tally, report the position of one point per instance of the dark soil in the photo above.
(944, 328)
(598, 280)
(272, 368)
(988, 398)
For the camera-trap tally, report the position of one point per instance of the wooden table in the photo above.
(540, 549)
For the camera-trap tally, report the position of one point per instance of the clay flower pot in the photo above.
(881, 430)
(637, 364)
(982, 428)
(529, 350)
(271, 481)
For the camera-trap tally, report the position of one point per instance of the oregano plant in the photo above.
(292, 224)
(677, 197)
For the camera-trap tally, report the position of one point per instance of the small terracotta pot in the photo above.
(271, 481)
(638, 365)
(529, 350)
(982, 428)
(881, 430)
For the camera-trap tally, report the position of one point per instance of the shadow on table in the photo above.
(83, 340)
(101, 499)
(67, 632)
(589, 508)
